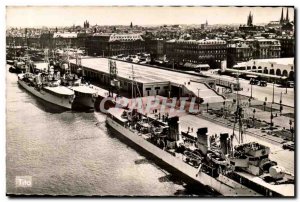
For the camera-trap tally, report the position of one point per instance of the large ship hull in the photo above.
(222, 184)
(83, 102)
(60, 101)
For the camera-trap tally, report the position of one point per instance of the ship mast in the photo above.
(113, 78)
(133, 77)
(238, 114)
(132, 80)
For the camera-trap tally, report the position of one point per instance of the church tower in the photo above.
(287, 16)
(281, 19)
(250, 20)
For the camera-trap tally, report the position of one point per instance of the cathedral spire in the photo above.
(250, 19)
(287, 15)
(281, 19)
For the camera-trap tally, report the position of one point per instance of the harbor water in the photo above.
(73, 153)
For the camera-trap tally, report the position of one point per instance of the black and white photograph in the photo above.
(150, 101)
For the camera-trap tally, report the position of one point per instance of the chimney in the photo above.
(223, 143)
(202, 140)
(173, 123)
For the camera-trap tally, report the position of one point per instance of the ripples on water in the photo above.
(72, 153)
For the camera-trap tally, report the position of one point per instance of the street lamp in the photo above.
(251, 90)
(291, 122)
(280, 109)
(271, 123)
(254, 117)
(265, 103)
(198, 99)
(273, 93)
(291, 129)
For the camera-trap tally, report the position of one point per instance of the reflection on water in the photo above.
(72, 153)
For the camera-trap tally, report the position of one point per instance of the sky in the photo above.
(51, 16)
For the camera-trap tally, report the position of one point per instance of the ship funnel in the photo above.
(202, 140)
(224, 143)
(173, 123)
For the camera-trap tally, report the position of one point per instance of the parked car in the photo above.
(289, 145)
(290, 84)
(263, 83)
(254, 81)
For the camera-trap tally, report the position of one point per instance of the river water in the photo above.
(72, 153)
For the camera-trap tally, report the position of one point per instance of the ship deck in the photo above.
(196, 122)
(83, 89)
(60, 90)
(284, 189)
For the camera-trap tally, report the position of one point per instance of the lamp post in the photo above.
(265, 103)
(198, 99)
(273, 93)
(280, 109)
(254, 117)
(271, 123)
(291, 129)
(286, 84)
(251, 91)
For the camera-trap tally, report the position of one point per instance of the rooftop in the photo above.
(142, 74)
(282, 61)
(65, 35)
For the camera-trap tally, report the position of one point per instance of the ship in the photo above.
(46, 86)
(85, 95)
(211, 160)
(241, 170)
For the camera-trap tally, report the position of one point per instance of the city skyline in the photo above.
(36, 16)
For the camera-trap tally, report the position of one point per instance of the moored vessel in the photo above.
(85, 95)
(246, 172)
(46, 87)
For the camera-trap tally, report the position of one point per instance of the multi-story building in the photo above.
(196, 51)
(264, 48)
(287, 46)
(155, 47)
(239, 52)
(46, 40)
(67, 39)
(114, 44)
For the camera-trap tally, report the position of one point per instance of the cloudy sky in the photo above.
(33, 16)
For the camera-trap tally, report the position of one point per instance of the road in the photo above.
(260, 92)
